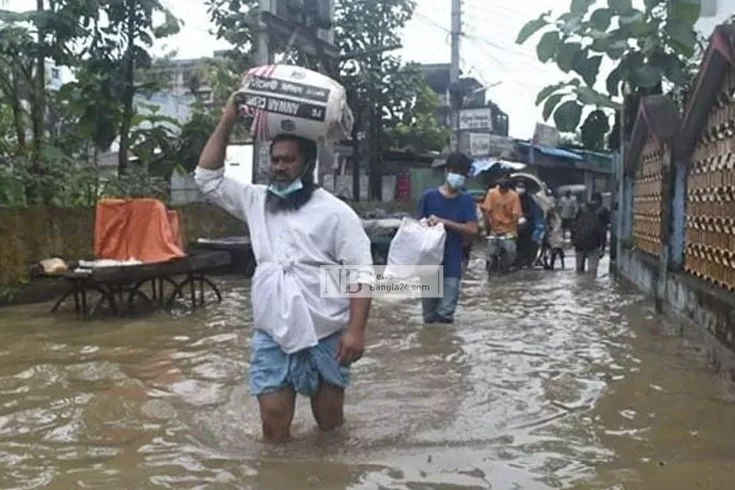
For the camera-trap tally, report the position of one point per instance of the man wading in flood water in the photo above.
(302, 342)
(456, 210)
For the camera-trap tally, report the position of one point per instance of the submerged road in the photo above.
(548, 381)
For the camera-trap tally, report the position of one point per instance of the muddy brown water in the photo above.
(548, 381)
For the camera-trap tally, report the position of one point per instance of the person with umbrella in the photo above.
(531, 234)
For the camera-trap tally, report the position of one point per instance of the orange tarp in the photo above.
(140, 229)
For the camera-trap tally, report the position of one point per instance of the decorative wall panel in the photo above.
(710, 228)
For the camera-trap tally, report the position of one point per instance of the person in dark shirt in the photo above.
(589, 235)
(531, 234)
(456, 210)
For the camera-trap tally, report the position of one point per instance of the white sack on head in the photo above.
(278, 99)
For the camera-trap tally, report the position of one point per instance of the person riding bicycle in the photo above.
(503, 212)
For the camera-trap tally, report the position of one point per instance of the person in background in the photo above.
(553, 241)
(531, 234)
(589, 235)
(568, 208)
(456, 210)
(468, 243)
(303, 342)
(503, 212)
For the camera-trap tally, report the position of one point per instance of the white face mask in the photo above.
(455, 181)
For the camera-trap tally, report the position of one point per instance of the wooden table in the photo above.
(118, 285)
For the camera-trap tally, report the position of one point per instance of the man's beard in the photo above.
(292, 202)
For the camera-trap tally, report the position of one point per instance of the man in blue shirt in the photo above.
(456, 210)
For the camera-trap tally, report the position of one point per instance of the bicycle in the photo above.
(497, 259)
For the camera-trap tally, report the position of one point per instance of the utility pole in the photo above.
(455, 68)
(129, 93)
(456, 37)
(263, 57)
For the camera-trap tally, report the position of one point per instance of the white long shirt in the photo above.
(289, 248)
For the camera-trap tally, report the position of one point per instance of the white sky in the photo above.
(489, 52)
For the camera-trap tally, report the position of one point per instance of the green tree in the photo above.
(651, 48)
(233, 21)
(376, 81)
(121, 36)
(29, 40)
(415, 123)
(103, 42)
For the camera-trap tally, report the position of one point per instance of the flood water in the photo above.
(548, 380)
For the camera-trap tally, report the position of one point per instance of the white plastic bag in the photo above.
(279, 99)
(415, 244)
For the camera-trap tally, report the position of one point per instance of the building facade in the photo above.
(437, 78)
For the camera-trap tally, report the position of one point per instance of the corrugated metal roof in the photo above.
(552, 152)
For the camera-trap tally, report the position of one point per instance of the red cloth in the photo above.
(403, 187)
(140, 229)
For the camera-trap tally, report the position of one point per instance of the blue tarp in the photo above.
(553, 152)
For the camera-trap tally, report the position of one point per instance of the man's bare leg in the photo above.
(276, 415)
(328, 407)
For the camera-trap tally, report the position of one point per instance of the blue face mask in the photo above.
(455, 181)
(284, 192)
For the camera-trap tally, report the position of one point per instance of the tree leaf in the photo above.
(671, 67)
(620, 7)
(580, 7)
(589, 69)
(571, 26)
(550, 105)
(600, 19)
(589, 96)
(613, 81)
(548, 90)
(647, 76)
(601, 44)
(594, 129)
(567, 56)
(617, 49)
(547, 46)
(586, 96)
(567, 116)
(683, 37)
(632, 17)
(635, 25)
(687, 11)
(531, 28)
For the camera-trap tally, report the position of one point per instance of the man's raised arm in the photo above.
(210, 173)
(213, 154)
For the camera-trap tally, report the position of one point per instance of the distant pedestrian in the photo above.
(589, 235)
(568, 208)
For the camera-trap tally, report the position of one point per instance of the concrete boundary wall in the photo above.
(36, 233)
(704, 310)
